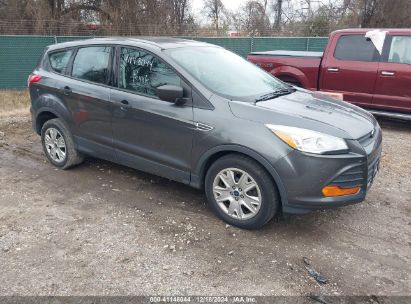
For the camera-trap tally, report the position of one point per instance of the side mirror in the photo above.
(170, 93)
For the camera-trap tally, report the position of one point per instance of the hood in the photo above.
(309, 110)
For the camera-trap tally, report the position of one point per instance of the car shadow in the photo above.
(183, 198)
(394, 124)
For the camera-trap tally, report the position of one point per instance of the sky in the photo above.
(232, 5)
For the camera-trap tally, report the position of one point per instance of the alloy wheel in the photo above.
(55, 145)
(237, 193)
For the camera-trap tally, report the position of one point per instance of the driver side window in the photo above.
(143, 72)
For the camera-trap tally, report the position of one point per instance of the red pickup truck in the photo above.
(351, 65)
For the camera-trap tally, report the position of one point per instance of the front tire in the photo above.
(241, 192)
(58, 145)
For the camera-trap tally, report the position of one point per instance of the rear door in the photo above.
(151, 134)
(351, 68)
(88, 98)
(393, 89)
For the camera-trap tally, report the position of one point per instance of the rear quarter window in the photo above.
(60, 60)
(355, 48)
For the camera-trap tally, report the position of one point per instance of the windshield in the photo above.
(225, 72)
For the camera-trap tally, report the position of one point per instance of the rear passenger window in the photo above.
(60, 60)
(400, 51)
(355, 48)
(92, 63)
(143, 72)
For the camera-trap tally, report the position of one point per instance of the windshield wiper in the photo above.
(275, 94)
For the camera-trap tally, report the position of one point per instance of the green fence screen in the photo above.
(19, 54)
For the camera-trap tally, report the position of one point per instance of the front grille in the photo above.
(363, 175)
(371, 143)
(373, 166)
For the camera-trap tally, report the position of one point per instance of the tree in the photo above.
(385, 13)
(278, 10)
(179, 14)
(319, 24)
(215, 11)
(174, 17)
(375, 13)
(147, 17)
(368, 10)
(254, 19)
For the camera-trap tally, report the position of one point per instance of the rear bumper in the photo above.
(304, 176)
(33, 120)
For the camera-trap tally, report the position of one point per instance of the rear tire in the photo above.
(58, 145)
(241, 192)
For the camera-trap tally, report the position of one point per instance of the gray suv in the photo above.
(201, 115)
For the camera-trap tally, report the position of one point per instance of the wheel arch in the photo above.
(44, 116)
(208, 158)
(290, 72)
(49, 106)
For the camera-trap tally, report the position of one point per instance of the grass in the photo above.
(13, 101)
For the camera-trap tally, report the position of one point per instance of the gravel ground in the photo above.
(103, 229)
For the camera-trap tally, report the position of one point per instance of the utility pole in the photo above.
(309, 7)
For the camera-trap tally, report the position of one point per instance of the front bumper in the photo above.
(305, 175)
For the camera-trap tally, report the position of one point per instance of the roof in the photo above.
(160, 42)
(364, 30)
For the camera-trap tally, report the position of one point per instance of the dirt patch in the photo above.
(13, 102)
(104, 229)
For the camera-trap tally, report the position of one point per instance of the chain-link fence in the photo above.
(76, 28)
(19, 54)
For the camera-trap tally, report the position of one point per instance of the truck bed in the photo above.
(288, 65)
(290, 54)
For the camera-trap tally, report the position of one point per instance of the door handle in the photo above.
(333, 70)
(124, 105)
(67, 90)
(386, 73)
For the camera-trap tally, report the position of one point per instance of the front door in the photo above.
(393, 89)
(351, 69)
(150, 134)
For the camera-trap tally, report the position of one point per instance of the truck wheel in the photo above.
(58, 145)
(241, 192)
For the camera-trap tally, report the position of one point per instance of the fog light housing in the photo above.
(333, 191)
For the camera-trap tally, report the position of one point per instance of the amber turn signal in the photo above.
(332, 191)
(286, 138)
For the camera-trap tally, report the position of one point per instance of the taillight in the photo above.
(33, 78)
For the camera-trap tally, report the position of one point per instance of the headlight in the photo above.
(307, 140)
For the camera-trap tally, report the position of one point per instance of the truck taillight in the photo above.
(33, 78)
